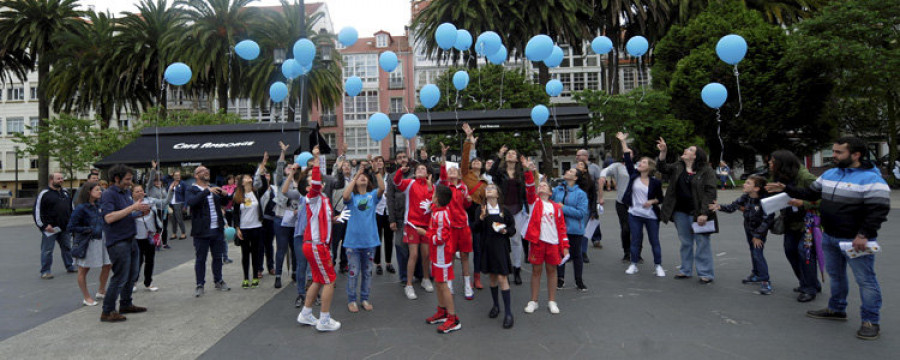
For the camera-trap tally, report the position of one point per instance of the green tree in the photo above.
(645, 120)
(14, 64)
(67, 139)
(32, 25)
(855, 43)
(778, 105)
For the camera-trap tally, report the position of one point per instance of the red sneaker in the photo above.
(478, 282)
(438, 317)
(452, 324)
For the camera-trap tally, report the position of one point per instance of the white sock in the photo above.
(468, 280)
(306, 311)
(323, 317)
(450, 284)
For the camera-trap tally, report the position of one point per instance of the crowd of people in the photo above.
(492, 215)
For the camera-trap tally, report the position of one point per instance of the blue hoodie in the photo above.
(575, 207)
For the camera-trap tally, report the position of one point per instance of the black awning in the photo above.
(566, 117)
(211, 144)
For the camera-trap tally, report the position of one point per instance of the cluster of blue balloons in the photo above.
(731, 49)
(488, 44)
(541, 48)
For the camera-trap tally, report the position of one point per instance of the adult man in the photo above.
(855, 200)
(594, 170)
(51, 215)
(396, 202)
(620, 173)
(177, 205)
(119, 211)
(207, 228)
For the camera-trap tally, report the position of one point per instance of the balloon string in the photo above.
(456, 114)
(553, 110)
(162, 91)
(643, 90)
(502, 76)
(719, 134)
(737, 76)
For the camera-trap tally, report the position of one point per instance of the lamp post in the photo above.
(16, 149)
(278, 56)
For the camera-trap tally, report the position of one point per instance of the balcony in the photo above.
(395, 84)
(329, 120)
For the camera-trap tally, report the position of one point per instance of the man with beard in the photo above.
(855, 201)
(207, 228)
(51, 215)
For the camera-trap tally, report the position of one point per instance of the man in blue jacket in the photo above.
(855, 201)
(575, 209)
(207, 228)
(179, 188)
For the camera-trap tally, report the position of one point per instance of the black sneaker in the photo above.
(390, 268)
(626, 259)
(585, 258)
(868, 331)
(278, 282)
(828, 314)
(560, 283)
(379, 270)
(300, 300)
(580, 286)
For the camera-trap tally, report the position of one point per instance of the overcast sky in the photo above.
(367, 16)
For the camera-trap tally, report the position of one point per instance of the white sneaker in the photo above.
(410, 292)
(134, 289)
(554, 309)
(470, 293)
(659, 271)
(330, 325)
(99, 296)
(308, 319)
(632, 269)
(426, 284)
(151, 288)
(531, 307)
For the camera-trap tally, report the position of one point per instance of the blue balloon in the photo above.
(229, 233)
(278, 91)
(463, 40)
(731, 49)
(540, 114)
(409, 125)
(554, 87)
(290, 69)
(555, 58)
(388, 61)
(601, 45)
(303, 158)
(379, 126)
(353, 86)
(178, 74)
(637, 46)
(538, 48)
(247, 49)
(499, 57)
(348, 36)
(429, 95)
(488, 43)
(714, 95)
(460, 80)
(445, 35)
(304, 69)
(304, 51)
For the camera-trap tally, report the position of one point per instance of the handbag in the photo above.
(80, 246)
(778, 226)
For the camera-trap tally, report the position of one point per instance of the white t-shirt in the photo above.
(250, 212)
(638, 198)
(548, 225)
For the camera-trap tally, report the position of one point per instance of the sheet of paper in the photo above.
(564, 259)
(707, 228)
(592, 225)
(872, 247)
(772, 204)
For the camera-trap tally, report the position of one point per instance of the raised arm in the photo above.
(466, 150)
(379, 177)
(662, 165)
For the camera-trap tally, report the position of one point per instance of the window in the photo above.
(331, 139)
(396, 77)
(33, 164)
(15, 125)
(577, 81)
(15, 93)
(33, 123)
(11, 159)
(34, 94)
(124, 123)
(365, 66)
(328, 117)
(564, 136)
(628, 83)
(397, 105)
(566, 53)
(358, 142)
(644, 77)
(360, 107)
(566, 80)
(592, 81)
(381, 41)
(590, 60)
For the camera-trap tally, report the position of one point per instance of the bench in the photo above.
(22, 203)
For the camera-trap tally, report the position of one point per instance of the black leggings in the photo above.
(251, 245)
(387, 239)
(147, 259)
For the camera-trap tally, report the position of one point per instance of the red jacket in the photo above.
(458, 203)
(318, 229)
(418, 194)
(534, 222)
(439, 235)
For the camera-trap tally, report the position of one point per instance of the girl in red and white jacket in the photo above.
(440, 238)
(316, 240)
(547, 235)
(460, 233)
(419, 192)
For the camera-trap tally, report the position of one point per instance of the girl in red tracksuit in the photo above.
(460, 233)
(547, 235)
(440, 238)
(419, 193)
(316, 240)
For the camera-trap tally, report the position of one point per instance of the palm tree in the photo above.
(777, 12)
(31, 25)
(279, 30)
(146, 41)
(14, 64)
(209, 41)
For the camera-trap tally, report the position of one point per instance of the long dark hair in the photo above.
(785, 167)
(702, 159)
(239, 190)
(520, 171)
(84, 194)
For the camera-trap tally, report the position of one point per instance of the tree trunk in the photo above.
(162, 97)
(222, 90)
(44, 114)
(543, 74)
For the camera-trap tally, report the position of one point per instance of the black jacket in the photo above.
(501, 177)
(52, 207)
(195, 198)
(654, 190)
(756, 222)
(703, 191)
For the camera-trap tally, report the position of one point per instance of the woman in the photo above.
(361, 239)
(384, 224)
(507, 173)
(692, 189)
(157, 190)
(472, 176)
(586, 183)
(229, 188)
(248, 223)
(574, 204)
(642, 197)
(786, 168)
(148, 228)
(87, 225)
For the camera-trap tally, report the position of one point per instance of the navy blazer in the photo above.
(195, 198)
(654, 190)
(181, 192)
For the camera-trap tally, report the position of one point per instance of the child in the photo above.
(547, 235)
(495, 226)
(756, 224)
(643, 193)
(361, 239)
(418, 204)
(316, 241)
(439, 236)
(460, 233)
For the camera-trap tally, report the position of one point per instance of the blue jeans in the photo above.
(283, 244)
(361, 264)
(690, 243)
(126, 267)
(65, 250)
(212, 242)
(636, 225)
(302, 266)
(760, 266)
(863, 267)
